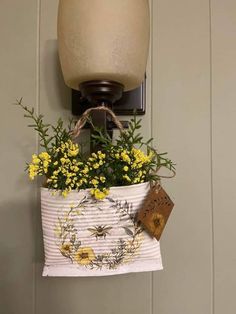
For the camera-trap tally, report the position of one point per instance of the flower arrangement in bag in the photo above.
(126, 161)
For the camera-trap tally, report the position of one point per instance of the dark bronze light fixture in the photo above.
(101, 91)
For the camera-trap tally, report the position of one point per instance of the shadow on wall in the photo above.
(52, 82)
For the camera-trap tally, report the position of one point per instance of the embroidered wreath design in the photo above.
(70, 245)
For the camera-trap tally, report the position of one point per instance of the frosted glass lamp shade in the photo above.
(103, 40)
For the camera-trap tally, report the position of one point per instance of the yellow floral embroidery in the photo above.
(84, 256)
(66, 249)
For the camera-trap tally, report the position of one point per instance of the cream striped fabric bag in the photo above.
(88, 237)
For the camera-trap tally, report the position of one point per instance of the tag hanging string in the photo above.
(167, 177)
(85, 117)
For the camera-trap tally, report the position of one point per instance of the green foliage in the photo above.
(125, 161)
(129, 139)
(59, 132)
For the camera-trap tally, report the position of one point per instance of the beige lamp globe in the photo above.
(103, 40)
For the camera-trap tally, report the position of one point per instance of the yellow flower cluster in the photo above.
(68, 172)
(134, 162)
(39, 165)
(69, 149)
(122, 155)
(94, 164)
(96, 160)
(140, 158)
(66, 168)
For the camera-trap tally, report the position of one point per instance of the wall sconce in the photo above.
(103, 46)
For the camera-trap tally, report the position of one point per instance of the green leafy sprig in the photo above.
(49, 135)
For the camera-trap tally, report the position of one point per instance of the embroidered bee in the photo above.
(100, 231)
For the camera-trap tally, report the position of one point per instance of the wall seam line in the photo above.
(151, 122)
(211, 169)
(37, 141)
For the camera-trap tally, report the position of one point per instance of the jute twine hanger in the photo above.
(84, 118)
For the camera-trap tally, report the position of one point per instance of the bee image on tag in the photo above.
(155, 211)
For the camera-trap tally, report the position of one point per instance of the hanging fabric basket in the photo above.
(88, 237)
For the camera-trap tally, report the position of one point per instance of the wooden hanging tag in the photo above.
(155, 211)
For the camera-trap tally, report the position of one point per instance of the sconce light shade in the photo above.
(103, 40)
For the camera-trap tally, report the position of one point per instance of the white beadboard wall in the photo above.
(191, 113)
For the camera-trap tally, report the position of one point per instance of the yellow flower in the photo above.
(63, 160)
(44, 156)
(78, 184)
(140, 173)
(140, 157)
(101, 155)
(94, 182)
(35, 159)
(45, 166)
(126, 168)
(66, 249)
(99, 195)
(84, 256)
(85, 170)
(157, 223)
(125, 156)
(68, 181)
(136, 180)
(33, 171)
(127, 178)
(64, 193)
(96, 165)
(73, 153)
(102, 179)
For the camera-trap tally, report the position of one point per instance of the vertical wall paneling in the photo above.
(17, 197)
(191, 114)
(224, 153)
(181, 115)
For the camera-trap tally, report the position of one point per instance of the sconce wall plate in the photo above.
(134, 100)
